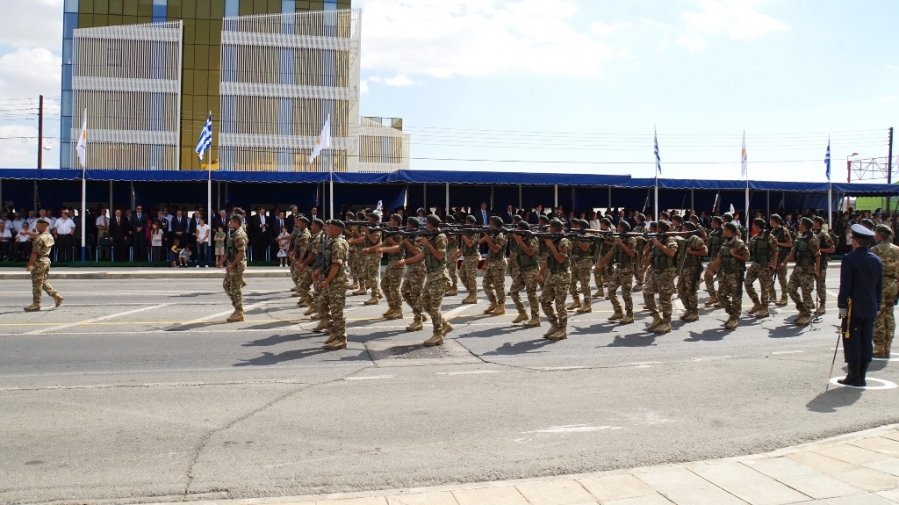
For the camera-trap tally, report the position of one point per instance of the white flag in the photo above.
(744, 166)
(81, 147)
(323, 142)
(732, 210)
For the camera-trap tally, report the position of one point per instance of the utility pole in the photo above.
(890, 169)
(40, 132)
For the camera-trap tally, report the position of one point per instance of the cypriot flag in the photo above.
(323, 142)
(81, 147)
(744, 166)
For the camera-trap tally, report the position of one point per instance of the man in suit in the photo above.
(861, 281)
(483, 215)
(276, 221)
(259, 234)
(220, 219)
(179, 229)
(510, 211)
(535, 216)
(192, 224)
(118, 231)
(137, 229)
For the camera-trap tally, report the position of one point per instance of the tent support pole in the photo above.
(520, 199)
(110, 199)
(492, 206)
(768, 203)
(447, 200)
(555, 197)
(610, 196)
(35, 205)
(692, 200)
(424, 194)
(131, 189)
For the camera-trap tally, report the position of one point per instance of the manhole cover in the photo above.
(413, 353)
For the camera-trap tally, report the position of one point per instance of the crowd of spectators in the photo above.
(182, 237)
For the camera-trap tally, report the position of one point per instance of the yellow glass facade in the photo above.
(201, 51)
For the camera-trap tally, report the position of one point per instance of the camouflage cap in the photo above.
(471, 219)
(776, 217)
(867, 223)
(556, 223)
(396, 217)
(496, 220)
(360, 216)
(677, 218)
(543, 218)
(884, 229)
(434, 219)
(319, 222)
(375, 214)
(727, 216)
(759, 222)
(717, 219)
(338, 223)
(624, 225)
(819, 219)
(450, 219)
(523, 225)
(606, 221)
(663, 225)
(690, 226)
(303, 219)
(414, 221)
(732, 227)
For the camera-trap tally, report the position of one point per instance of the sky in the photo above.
(578, 86)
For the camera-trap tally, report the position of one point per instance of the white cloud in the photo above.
(606, 29)
(363, 87)
(740, 19)
(887, 99)
(19, 152)
(891, 67)
(693, 43)
(436, 38)
(32, 23)
(399, 81)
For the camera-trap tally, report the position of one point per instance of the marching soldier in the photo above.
(582, 259)
(300, 245)
(414, 281)
(688, 281)
(661, 259)
(452, 261)
(333, 287)
(885, 325)
(826, 247)
(526, 246)
(495, 269)
(716, 238)
(350, 233)
(542, 250)
(39, 266)
(784, 246)
(604, 276)
(763, 248)
(307, 266)
(237, 263)
(433, 256)
(393, 276)
(372, 261)
(470, 258)
(512, 260)
(624, 254)
(861, 289)
(555, 275)
(731, 260)
(319, 272)
(807, 256)
(640, 230)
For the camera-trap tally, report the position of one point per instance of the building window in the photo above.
(288, 6)
(71, 6)
(160, 11)
(232, 8)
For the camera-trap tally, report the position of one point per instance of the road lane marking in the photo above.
(883, 384)
(644, 363)
(786, 352)
(372, 377)
(573, 428)
(468, 372)
(561, 368)
(222, 314)
(96, 319)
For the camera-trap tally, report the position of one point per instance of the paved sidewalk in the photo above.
(856, 469)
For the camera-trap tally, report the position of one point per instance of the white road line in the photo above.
(561, 368)
(96, 319)
(644, 363)
(787, 352)
(573, 428)
(455, 312)
(372, 377)
(469, 372)
(225, 313)
(711, 358)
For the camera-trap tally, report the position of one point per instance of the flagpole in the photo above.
(745, 176)
(208, 217)
(330, 173)
(657, 170)
(83, 214)
(829, 190)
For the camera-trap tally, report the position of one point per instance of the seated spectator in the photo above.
(22, 245)
(5, 241)
(184, 257)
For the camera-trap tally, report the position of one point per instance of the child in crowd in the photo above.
(283, 244)
(219, 239)
(157, 236)
(184, 257)
(174, 252)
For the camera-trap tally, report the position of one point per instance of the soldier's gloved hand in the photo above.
(844, 313)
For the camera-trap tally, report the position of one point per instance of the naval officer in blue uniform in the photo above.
(861, 279)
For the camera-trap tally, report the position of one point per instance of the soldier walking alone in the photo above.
(237, 263)
(39, 266)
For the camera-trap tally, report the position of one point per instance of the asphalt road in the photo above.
(136, 390)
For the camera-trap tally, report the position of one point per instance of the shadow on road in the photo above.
(639, 340)
(510, 349)
(271, 326)
(834, 398)
(188, 327)
(710, 335)
(269, 358)
(493, 331)
(275, 340)
(790, 330)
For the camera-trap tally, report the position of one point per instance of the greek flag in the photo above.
(205, 141)
(655, 137)
(827, 159)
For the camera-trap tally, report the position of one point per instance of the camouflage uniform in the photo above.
(413, 286)
(494, 282)
(528, 268)
(305, 291)
(781, 235)
(688, 280)
(393, 276)
(41, 246)
(435, 282)
(512, 261)
(662, 281)
(237, 242)
(582, 263)
(300, 242)
(555, 287)
(624, 274)
(333, 297)
(885, 324)
(605, 273)
(372, 266)
(715, 239)
(470, 258)
(452, 265)
(542, 254)
(825, 241)
(805, 250)
(357, 258)
(638, 257)
(729, 289)
(762, 247)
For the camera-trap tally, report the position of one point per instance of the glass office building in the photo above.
(269, 71)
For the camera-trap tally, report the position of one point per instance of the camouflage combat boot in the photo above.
(821, 309)
(340, 343)
(437, 339)
(451, 292)
(446, 328)
(332, 338)
(712, 301)
(756, 306)
(415, 326)
(500, 310)
(663, 328)
(58, 298)
(762, 313)
(803, 320)
(617, 316)
(552, 329)
(34, 307)
(533, 322)
(311, 310)
(491, 308)
(628, 319)
(374, 300)
(586, 309)
(692, 316)
(783, 300)
(472, 298)
(599, 293)
(656, 320)
(236, 316)
(322, 325)
(576, 304)
(731, 323)
(522, 317)
(560, 334)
